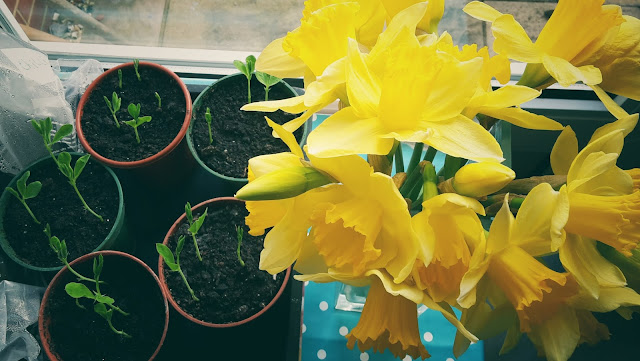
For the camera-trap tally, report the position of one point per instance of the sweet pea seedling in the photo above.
(207, 117)
(136, 63)
(114, 106)
(63, 161)
(60, 248)
(120, 78)
(174, 264)
(134, 111)
(247, 69)
(159, 100)
(268, 81)
(26, 191)
(239, 232)
(194, 226)
(78, 291)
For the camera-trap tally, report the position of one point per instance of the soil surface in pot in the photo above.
(228, 292)
(119, 144)
(82, 335)
(237, 135)
(59, 205)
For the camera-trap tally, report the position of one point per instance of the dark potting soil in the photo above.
(237, 135)
(59, 205)
(99, 127)
(82, 335)
(227, 291)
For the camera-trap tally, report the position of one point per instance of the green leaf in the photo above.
(21, 183)
(131, 122)
(97, 266)
(134, 110)
(46, 130)
(241, 67)
(79, 166)
(63, 249)
(105, 299)
(36, 126)
(33, 190)
(101, 309)
(106, 100)
(267, 80)
(54, 243)
(187, 211)
(13, 191)
(207, 115)
(167, 255)
(251, 64)
(47, 230)
(64, 164)
(144, 119)
(195, 227)
(78, 290)
(180, 245)
(62, 132)
(116, 102)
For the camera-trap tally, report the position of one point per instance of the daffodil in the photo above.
(447, 228)
(418, 96)
(359, 223)
(429, 23)
(479, 179)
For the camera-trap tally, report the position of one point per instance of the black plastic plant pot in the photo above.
(58, 205)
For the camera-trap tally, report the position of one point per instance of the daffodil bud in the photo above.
(481, 179)
(283, 183)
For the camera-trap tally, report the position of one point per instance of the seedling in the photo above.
(194, 226)
(120, 78)
(60, 248)
(159, 100)
(174, 264)
(78, 291)
(240, 232)
(114, 106)
(247, 69)
(136, 63)
(26, 191)
(268, 81)
(63, 161)
(134, 111)
(207, 117)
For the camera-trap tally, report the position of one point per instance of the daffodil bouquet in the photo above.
(417, 237)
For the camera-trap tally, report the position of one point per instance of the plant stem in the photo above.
(210, 135)
(193, 295)
(115, 119)
(415, 156)
(195, 243)
(238, 252)
(118, 309)
(412, 179)
(86, 206)
(249, 89)
(135, 130)
(80, 277)
(24, 203)
(266, 93)
(121, 333)
(399, 159)
(430, 155)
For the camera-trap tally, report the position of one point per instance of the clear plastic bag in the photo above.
(29, 89)
(19, 306)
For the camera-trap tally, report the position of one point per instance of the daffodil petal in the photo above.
(622, 77)
(559, 219)
(265, 214)
(609, 103)
(512, 40)
(482, 11)
(508, 96)
(559, 335)
(626, 123)
(523, 118)
(294, 124)
(564, 151)
(611, 298)
(478, 266)
(293, 105)
(326, 88)
(462, 137)
(501, 228)
(363, 87)
(287, 137)
(611, 143)
(263, 164)
(532, 227)
(567, 74)
(283, 242)
(277, 62)
(357, 136)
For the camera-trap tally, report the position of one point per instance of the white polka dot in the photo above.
(450, 359)
(304, 328)
(407, 358)
(428, 336)
(306, 283)
(422, 308)
(364, 356)
(322, 354)
(324, 306)
(343, 331)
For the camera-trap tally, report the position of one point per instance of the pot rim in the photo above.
(6, 246)
(174, 304)
(54, 281)
(146, 161)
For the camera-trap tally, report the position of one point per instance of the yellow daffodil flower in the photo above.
(429, 22)
(447, 227)
(480, 179)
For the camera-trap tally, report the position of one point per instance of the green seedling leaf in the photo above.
(195, 227)
(136, 63)
(145, 119)
(159, 99)
(79, 166)
(101, 309)
(26, 191)
(33, 190)
(64, 164)
(36, 125)
(13, 191)
(267, 80)
(247, 69)
(62, 132)
(207, 118)
(251, 63)
(167, 256)
(78, 290)
(105, 299)
(239, 232)
(21, 183)
(180, 246)
(63, 249)
(187, 211)
(241, 67)
(134, 110)
(120, 78)
(98, 263)
(116, 101)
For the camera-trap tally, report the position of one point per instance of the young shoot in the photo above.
(247, 69)
(120, 78)
(194, 226)
(114, 106)
(26, 191)
(44, 128)
(134, 111)
(268, 81)
(60, 248)
(174, 264)
(136, 63)
(239, 232)
(207, 117)
(101, 302)
(72, 174)
(158, 98)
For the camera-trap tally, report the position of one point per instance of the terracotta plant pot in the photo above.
(235, 131)
(64, 338)
(61, 208)
(164, 160)
(211, 245)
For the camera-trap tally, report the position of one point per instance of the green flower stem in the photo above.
(399, 159)
(430, 181)
(415, 156)
(195, 243)
(430, 155)
(392, 153)
(121, 333)
(413, 179)
(86, 206)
